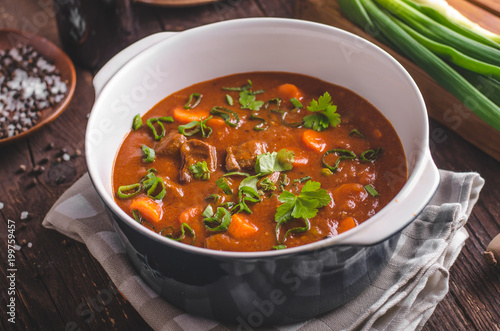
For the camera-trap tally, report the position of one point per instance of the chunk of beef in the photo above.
(170, 144)
(173, 189)
(193, 151)
(244, 155)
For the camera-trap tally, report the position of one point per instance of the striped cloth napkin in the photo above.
(394, 301)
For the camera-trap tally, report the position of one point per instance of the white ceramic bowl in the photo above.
(146, 72)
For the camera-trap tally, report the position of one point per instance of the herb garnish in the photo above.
(343, 155)
(184, 226)
(200, 170)
(148, 154)
(371, 155)
(137, 122)
(371, 190)
(304, 206)
(149, 183)
(224, 186)
(194, 127)
(150, 123)
(296, 103)
(191, 104)
(230, 117)
(324, 114)
(247, 98)
(356, 132)
(262, 125)
(216, 222)
(270, 162)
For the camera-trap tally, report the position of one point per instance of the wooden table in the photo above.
(59, 284)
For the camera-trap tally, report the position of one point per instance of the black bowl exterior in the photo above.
(254, 292)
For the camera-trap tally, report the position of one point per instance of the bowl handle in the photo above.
(403, 213)
(119, 60)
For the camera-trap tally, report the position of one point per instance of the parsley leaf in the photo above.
(276, 161)
(200, 170)
(325, 114)
(248, 101)
(305, 205)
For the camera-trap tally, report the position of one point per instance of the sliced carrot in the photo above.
(192, 217)
(314, 140)
(300, 157)
(348, 196)
(377, 134)
(241, 227)
(185, 116)
(289, 91)
(346, 224)
(216, 122)
(148, 208)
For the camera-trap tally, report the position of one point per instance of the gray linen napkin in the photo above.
(394, 301)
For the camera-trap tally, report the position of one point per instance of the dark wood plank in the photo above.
(491, 6)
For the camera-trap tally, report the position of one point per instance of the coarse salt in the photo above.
(28, 84)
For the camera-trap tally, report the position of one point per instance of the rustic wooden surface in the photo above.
(59, 284)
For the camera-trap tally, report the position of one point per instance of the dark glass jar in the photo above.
(92, 31)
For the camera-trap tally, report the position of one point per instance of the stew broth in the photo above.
(198, 203)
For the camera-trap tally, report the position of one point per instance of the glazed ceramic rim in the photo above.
(422, 161)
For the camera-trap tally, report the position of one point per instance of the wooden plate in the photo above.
(176, 3)
(12, 38)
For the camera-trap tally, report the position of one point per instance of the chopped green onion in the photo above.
(181, 237)
(193, 103)
(224, 186)
(276, 101)
(356, 132)
(132, 190)
(298, 229)
(371, 190)
(138, 218)
(261, 126)
(137, 123)
(194, 127)
(221, 219)
(189, 129)
(296, 103)
(226, 115)
(148, 154)
(229, 100)
(246, 194)
(242, 88)
(236, 173)
(150, 123)
(279, 247)
(301, 180)
(154, 185)
(371, 155)
(214, 197)
(200, 170)
(343, 155)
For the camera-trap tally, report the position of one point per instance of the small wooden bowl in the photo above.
(12, 38)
